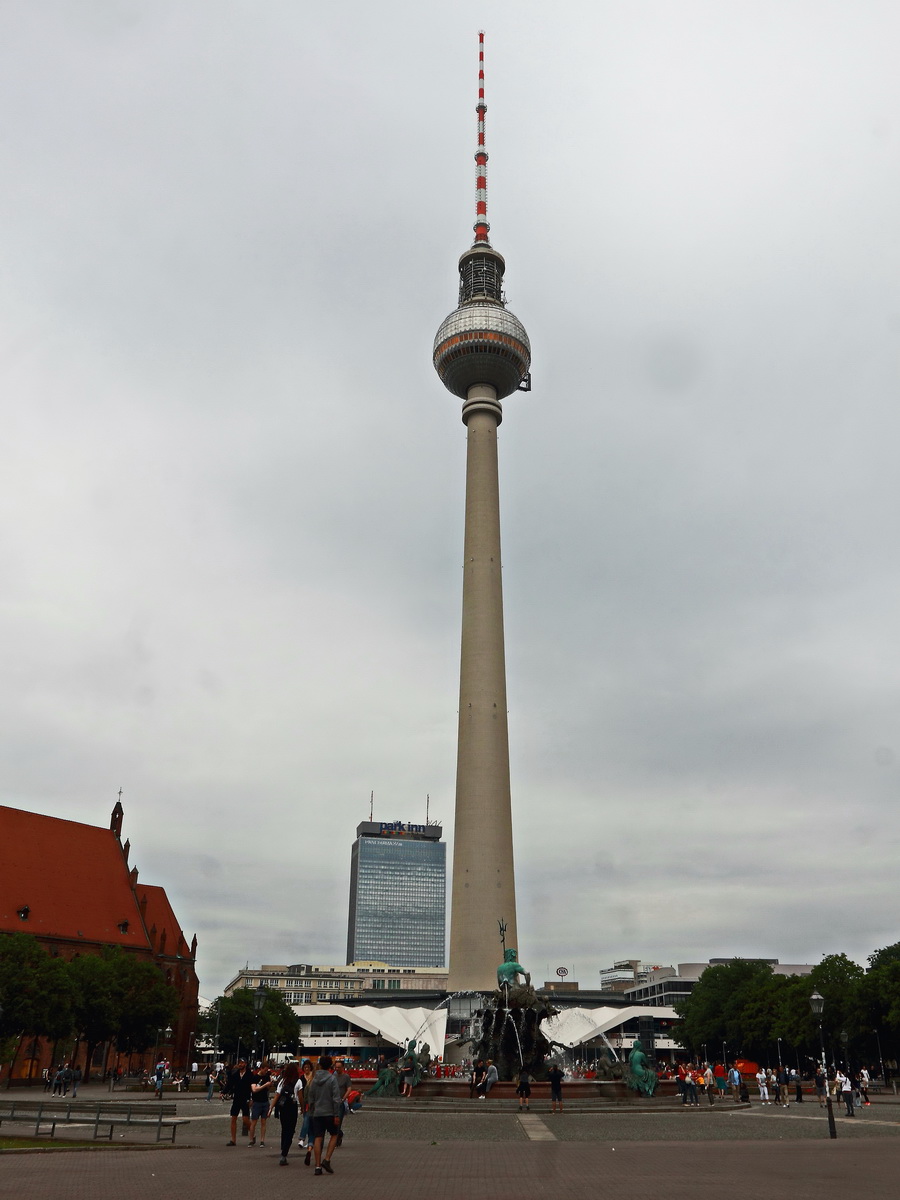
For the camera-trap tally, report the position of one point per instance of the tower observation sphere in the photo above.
(482, 354)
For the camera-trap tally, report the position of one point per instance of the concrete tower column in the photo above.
(483, 878)
(482, 354)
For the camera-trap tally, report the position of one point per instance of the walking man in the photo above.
(324, 1106)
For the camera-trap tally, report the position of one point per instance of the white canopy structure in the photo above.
(574, 1026)
(390, 1023)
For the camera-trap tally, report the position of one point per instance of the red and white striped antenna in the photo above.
(481, 156)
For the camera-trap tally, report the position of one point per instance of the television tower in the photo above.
(482, 354)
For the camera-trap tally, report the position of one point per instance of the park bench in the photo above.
(104, 1115)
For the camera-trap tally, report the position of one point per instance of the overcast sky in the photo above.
(231, 484)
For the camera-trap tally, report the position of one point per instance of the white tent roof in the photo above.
(393, 1024)
(574, 1026)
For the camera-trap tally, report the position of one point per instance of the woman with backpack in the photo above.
(288, 1098)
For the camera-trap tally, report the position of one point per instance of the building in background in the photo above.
(70, 885)
(398, 888)
(303, 983)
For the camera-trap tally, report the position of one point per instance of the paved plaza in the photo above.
(419, 1153)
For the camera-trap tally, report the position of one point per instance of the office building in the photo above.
(398, 895)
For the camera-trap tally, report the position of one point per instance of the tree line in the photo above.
(232, 1025)
(90, 999)
(742, 1009)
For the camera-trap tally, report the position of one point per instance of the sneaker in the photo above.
(308, 1158)
(252, 1142)
(318, 1171)
(327, 1166)
(262, 1143)
(231, 1143)
(282, 1162)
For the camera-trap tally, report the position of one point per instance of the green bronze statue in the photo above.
(640, 1077)
(509, 970)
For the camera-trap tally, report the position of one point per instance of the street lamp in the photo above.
(880, 1059)
(259, 1000)
(780, 1064)
(817, 1004)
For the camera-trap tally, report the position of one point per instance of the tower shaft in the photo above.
(483, 879)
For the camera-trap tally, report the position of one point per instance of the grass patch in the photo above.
(43, 1143)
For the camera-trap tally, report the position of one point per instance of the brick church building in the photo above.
(71, 886)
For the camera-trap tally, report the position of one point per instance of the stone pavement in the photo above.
(420, 1155)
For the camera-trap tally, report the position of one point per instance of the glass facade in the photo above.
(398, 901)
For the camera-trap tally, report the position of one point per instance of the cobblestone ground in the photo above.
(420, 1154)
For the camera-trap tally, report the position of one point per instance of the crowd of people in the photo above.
(323, 1096)
(776, 1086)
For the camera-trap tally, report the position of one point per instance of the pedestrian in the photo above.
(797, 1081)
(864, 1080)
(845, 1085)
(689, 1097)
(344, 1082)
(721, 1079)
(288, 1099)
(762, 1084)
(76, 1080)
(523, 1091)
(48, 1078)
(490, 1078)
(238, 1086)
(734, 1082)
(478, 1071)
(555, 1076)
(195, 1067)
(325, 1105)
(66, 1079)
(307, 1072)
(259, 1105)
(211, 1076)
(709, 1082)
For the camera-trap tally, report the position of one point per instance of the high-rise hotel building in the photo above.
(398, 895)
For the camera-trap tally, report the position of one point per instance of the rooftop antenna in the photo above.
(371, 804)
(427, 803)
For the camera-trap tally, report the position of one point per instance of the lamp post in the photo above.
(780, 1064)
(817, 1004)
(880, 1059)
(259, 1000)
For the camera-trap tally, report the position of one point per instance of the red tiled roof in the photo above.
(159, 912)
(73, 878)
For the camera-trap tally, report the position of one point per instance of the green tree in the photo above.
(889, 954)
(35, 994)
(730, 1003)
(146, 1002)
(236, 1020)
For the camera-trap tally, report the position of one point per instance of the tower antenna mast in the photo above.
(482, 228)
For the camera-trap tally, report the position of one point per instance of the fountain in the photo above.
(508, 1027)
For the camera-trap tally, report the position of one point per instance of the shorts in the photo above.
(319, 1126)
(259, 1108)
(524, 1089)
(240, 1106)
(556, 1094)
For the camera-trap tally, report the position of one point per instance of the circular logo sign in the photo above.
(562, 971)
